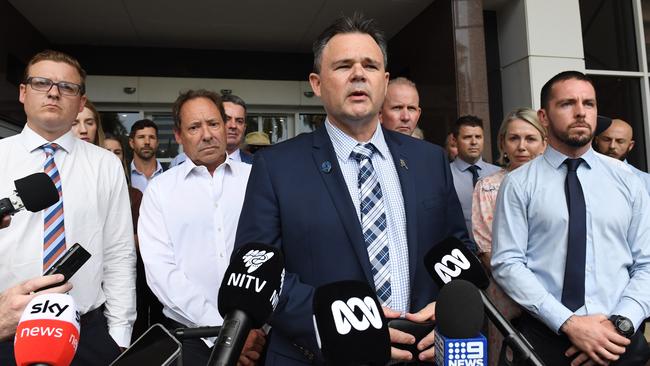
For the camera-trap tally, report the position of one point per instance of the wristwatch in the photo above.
(623, 325)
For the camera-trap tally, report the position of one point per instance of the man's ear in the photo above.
(314, 81)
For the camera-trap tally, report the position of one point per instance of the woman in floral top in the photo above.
(521, 138)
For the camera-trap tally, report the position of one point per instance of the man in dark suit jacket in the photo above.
(303, 197)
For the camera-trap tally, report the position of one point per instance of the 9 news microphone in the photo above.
(459, 316)
(350, 324)
(450, 259)
(48, 332)
(249, 293)
(34, 192)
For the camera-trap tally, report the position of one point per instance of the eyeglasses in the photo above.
(45, 85)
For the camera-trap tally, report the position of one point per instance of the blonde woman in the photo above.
(521, 138)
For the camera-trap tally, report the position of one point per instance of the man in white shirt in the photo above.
(188, 221)
(93, 210)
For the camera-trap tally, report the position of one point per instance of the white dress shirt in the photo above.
(188, 220)
(97, 215)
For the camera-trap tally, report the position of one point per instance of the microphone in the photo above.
(459, 315)
(48, 332)
(34, 192)
(249, 293)
(350, 324)
(450, 260)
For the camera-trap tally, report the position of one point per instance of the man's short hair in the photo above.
(344, 25)
(141, 124)
(468, 120)
(545, 95)
(57, 56)
(402, 81)
(188, 95)
(234, 100)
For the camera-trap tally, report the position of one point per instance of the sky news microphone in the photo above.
(249, 293)
(350, 324)
(459, 317)
(48, 332)
(449, 260)
(34, 192)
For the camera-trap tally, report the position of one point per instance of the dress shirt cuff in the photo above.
(553, 313)
(121, 335)
(631, 310)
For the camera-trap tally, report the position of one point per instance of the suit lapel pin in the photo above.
(326, 167)
(402, 163)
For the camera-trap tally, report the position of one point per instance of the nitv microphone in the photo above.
(450, 259)
(350, 324)
(249, 293)
(459, 315)
(34, 192)
(48, 331)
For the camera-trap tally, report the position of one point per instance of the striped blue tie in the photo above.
(54, 232)
(373, 221)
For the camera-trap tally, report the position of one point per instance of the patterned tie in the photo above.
(54, 233)
(373, 221)
(474, 170)
(573, 290)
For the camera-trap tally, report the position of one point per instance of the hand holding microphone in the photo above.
(13, 300)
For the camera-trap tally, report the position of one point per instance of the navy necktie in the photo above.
(573, 291)
(474, 169)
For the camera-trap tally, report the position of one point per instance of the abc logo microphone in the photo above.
(249, 293)
(34, 192)
(350, 324)
(459, 314)
(48, 331)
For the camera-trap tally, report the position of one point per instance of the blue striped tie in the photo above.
(54, 232)
(373, 221)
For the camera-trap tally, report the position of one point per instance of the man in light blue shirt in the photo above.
(617, 141)
(469, 166)
(143, 140)
(532, 253)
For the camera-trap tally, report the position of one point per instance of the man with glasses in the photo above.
(93, 210)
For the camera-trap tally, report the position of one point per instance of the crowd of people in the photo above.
(562, 223)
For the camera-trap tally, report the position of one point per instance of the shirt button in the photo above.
(216, 204)
(219, 229)
(221, 255)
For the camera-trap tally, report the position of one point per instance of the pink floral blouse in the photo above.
(484, 202)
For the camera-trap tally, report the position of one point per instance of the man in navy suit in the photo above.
(350, 201)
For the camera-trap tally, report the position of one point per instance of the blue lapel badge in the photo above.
(402, 163)
(326, 167)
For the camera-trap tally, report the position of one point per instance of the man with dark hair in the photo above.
(143, 140)
(368, 181)
(401, 109)
(570, 240)
(468, 166)
(199, 203)
(617, 141)
(235, 108)
(93, 210)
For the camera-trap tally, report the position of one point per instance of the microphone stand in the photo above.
(523, 353)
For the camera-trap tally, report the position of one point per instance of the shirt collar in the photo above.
(159, 168)
(343, 143)
(188, 167)
(462, 165)
(236, 155)
(556, 158)
(33, 141)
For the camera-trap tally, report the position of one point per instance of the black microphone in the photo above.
(249, 293)
(459, 316)
(350, 324)
(198, 332)
(449, 260)
(34, 192)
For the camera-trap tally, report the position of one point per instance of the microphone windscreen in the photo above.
(253, 282)
(350, 324)
(459, 310)
(37, 191)
(48, 331)
(450, 259)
